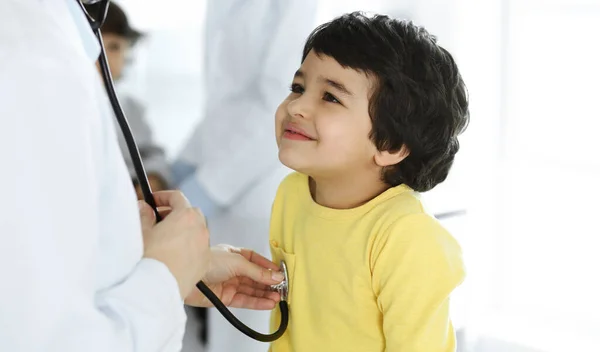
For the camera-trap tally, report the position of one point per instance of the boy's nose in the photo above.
(300, 108)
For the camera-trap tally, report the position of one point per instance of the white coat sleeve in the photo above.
(49, 233)
(253, 48)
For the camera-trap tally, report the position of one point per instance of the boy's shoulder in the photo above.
(408, 232)
(404, 216)
(406, 201)
(398, 202)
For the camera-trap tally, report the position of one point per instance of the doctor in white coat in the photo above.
(79, 270)
(229, 167)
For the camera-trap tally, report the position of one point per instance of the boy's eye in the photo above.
(330, 98)
(296, 88)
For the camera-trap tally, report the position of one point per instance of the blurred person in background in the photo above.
(229, 166)
(119, 39)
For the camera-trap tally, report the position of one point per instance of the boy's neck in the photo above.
(345, 192)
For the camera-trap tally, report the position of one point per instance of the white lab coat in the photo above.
(253, 48)
(73, 277)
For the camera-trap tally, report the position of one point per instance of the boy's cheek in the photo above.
(279, 117)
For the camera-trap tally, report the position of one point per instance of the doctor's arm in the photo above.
(49, 226)
(253, 48)
(416, 265)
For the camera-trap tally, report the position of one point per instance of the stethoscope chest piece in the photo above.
(283, 286)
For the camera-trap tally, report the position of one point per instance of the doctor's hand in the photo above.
(240, 278)
(180, 240)
(157, 183)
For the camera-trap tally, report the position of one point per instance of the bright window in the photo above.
(551, 190)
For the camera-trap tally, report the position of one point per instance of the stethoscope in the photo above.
(282, 287)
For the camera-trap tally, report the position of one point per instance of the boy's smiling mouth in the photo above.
(294, 132)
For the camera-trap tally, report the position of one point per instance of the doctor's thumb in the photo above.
(147, 217)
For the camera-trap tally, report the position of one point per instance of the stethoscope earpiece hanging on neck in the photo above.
(100, 9)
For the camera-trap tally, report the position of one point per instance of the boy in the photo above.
(372, 118)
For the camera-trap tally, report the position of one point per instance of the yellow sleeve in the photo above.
(416, 264)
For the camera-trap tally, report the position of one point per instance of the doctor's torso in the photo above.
(114, 227)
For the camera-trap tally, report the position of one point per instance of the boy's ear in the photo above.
(387, 158)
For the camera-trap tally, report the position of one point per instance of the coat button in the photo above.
(274, 243)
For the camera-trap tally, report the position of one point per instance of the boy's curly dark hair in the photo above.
(420, 99)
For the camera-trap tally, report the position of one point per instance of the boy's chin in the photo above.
(298, 163)
(292, 162)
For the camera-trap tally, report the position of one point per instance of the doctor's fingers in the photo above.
(255, 285)
(239, 293)
(173, 199)
(252, 300)
(256, 258)
(147, 216)
(248, 269)
(251, 289)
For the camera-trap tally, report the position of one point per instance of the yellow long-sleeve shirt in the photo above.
(373, 278)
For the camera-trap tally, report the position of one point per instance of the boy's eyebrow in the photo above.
(330, 82)
(337, 85)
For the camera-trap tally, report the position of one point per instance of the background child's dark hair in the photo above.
(116, 22)
(420, 99)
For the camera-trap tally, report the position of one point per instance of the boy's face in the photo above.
(323, 126)
(116, 52)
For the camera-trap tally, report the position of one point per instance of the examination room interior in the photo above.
(522, 197)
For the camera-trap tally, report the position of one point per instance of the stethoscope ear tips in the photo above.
(283, 286)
